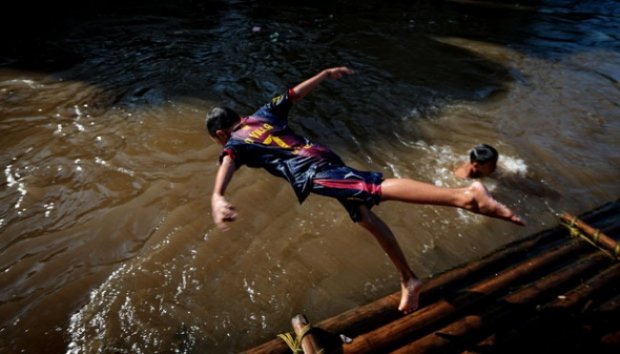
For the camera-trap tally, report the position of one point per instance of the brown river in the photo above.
(107, 244)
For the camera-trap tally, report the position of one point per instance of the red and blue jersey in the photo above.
(265, 140)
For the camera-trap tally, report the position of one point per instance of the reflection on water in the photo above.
(105, 227)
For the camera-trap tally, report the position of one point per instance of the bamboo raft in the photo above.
(557, 291)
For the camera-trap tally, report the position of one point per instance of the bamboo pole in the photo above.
(487, 345)
(577, 296)
(412, 325)
(610, 310)
(384, 310)
(516, 304)
(595, 235)
(611, 339)
(569, 301)
(309, 344)
(610, 305)
(605, 315)
(372, 315)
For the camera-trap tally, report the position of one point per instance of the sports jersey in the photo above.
(265, 140)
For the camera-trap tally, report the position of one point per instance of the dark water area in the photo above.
(106, 238)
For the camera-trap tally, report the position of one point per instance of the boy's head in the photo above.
(219, 122)
(483, 159)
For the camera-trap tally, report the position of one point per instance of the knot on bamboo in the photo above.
(295, 343)
(578, 228)
(303, 342)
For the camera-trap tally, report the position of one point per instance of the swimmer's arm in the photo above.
(223, 211)
(304, 88)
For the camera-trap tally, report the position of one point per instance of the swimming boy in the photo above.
(482, 162)
(265, 140)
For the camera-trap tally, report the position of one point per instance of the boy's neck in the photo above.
(464, 171)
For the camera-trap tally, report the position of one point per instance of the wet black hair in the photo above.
(483, 153)
(220, 118)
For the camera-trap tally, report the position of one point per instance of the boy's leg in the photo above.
(410, 284)
(474, 198)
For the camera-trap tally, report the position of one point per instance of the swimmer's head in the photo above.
(219, 123)
(483, 153)
(483, 159)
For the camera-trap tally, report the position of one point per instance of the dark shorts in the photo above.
(351, 187)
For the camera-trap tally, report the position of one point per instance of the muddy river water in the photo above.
(106, 238)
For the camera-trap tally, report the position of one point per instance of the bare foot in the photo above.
(410, 295)
(482, 202)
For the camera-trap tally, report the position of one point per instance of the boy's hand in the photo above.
(223, 212)
(302, 89)
(337, 73)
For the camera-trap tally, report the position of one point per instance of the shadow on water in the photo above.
(242, 52)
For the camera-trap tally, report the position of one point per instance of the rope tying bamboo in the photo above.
(573, 221)
(295, 344)
(575, 232)
(595, 237)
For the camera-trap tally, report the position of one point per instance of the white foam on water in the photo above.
(86, 321)
(438, 162)
(14, 179)
(140, 307)
(513, 165)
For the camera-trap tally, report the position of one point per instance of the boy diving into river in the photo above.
(265, 140)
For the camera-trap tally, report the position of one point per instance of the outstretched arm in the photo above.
(305, 87)
(223, 211)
